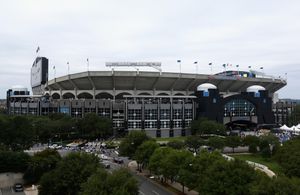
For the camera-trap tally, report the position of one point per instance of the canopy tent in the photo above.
(285, 128)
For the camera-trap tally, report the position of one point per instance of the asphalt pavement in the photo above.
(146, 186)
(150, 188)
(10, 191)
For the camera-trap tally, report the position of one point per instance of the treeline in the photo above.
(81, 173)
(77, 173)
(21, 132)
(209, 172)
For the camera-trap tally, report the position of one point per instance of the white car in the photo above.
(103, 157)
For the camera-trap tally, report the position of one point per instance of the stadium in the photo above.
(161, 103)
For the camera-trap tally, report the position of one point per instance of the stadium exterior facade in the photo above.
(163, 104)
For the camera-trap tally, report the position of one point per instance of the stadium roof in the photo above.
(130, 80)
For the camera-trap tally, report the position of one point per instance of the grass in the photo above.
(269, 162)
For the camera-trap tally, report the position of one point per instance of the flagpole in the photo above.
(286, 76)
(36, 55)
(88, 64)
(238, 69)
(180, 67)
(68, 67)
(54, 72)
(179, 61)
(262, 68)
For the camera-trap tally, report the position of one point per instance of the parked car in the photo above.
(106, 165)
(118, 160)
(18, 187)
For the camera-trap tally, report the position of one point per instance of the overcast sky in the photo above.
(249, 33)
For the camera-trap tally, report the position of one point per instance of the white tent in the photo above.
(285, 128)
(297, 129)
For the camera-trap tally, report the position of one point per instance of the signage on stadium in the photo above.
(109, 64)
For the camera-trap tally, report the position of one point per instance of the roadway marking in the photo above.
(156, 193)
(142, 193)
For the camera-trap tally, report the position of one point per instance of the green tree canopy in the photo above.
(176, 144)
(276, 185)
(131, 142)
(216, 142)
(233, 142)
(94, 126)
(70, 173)
(288, 156)
(17, 133)
(224, 177)
(119, 182)
(145, 151)
(194, 142)
(40, 163)
(156, 159)
(13, 161)
(204, 126)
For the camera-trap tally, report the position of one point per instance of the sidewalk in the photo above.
(133, 167)
(31, 190)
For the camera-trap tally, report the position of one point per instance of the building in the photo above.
(161, 103)
(283, 110)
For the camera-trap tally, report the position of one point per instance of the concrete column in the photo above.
(60, 93)
(94, 93)
(75, 90)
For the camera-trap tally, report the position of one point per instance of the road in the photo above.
(146, 187)
(150, 188)
(10, 191)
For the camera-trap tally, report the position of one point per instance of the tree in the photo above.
(233, 142)
(119, 182)
(13, 161)
(44, 128)
(70, 173)
(204, 126)
(175, 144)
(172, 164)
(275, 185)
(41, 163)
(200, 164)
(194, 143)
(252, 142)
(288, 156)
(216, 142)
(131, 142)
(184, 167)
(94, 126)
(144, 152)
(251, 139)
(224, 177)
(155, 162)
(268, 145)
(17, 133)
